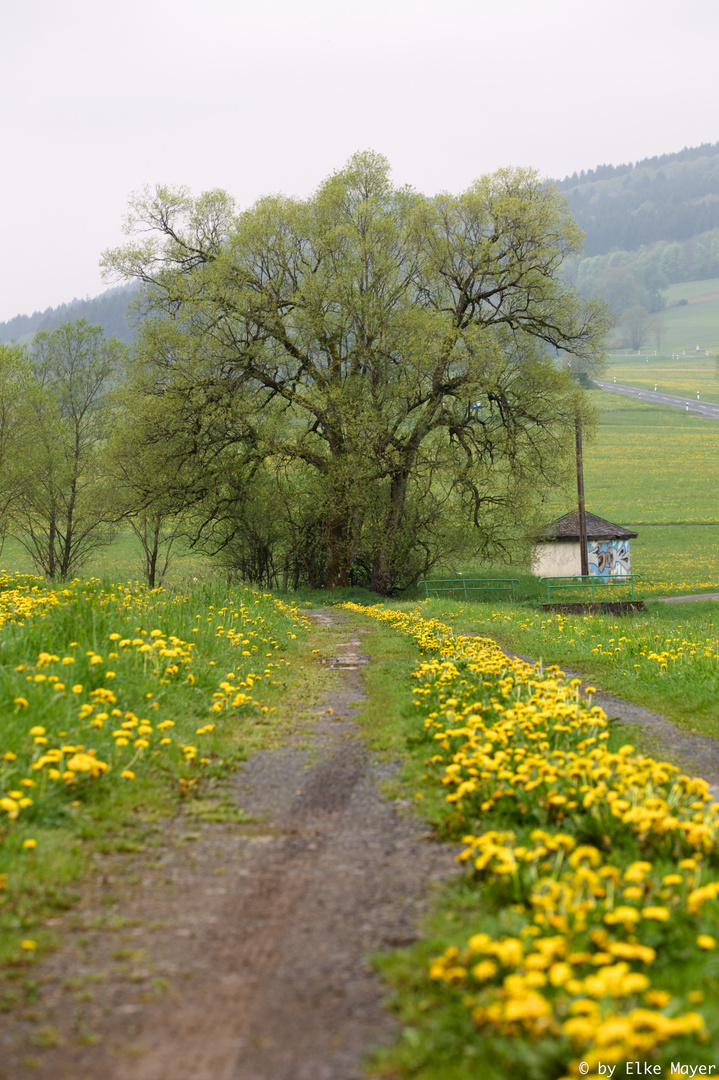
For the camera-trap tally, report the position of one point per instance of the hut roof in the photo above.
(567, 528)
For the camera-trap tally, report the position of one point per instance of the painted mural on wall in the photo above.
(609, 558)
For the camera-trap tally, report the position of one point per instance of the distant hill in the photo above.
(672, 197)
(107, 310)
(647, 225)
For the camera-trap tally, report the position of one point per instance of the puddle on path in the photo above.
(349, 656)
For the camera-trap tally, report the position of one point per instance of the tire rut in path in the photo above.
(280, 986)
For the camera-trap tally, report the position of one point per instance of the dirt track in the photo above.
(240, 954)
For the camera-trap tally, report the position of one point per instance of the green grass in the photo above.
(686, 290)
(121, 560)
(691, 325)
(614, 651)
(72, 676)
(647, 464)
(652, 464)
(438, 1040)
(682, 376)
(694, 323)
(676, 561)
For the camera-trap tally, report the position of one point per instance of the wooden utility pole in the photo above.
(584, 561)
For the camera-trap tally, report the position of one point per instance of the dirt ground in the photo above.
(240, 952)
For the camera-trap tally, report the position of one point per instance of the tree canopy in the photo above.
(380, 364)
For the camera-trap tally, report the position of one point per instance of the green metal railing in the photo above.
(588, 581)
(469, 585)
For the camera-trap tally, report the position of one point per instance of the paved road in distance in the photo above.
(702, 408)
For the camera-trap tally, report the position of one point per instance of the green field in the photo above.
(651, 464)
(695, 323)
(120, 561)
(682, 375)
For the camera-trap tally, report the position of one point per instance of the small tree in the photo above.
(59, 510)
(658, 331)
(157, 534)
(13, 377)
(635, 322)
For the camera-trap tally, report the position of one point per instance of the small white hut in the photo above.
(557, 554)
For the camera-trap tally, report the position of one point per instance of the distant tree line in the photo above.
(607, 172)
(625, 279)
(671, 198)
(108, 310)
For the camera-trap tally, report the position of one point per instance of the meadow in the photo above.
(647, 464)
(581, 934)
(666, 657)
(683, 376)
(120, 560)
(117, 703)
(693, 324)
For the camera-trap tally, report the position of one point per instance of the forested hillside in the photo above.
(624, 207)
(107, 310)
(647, 225)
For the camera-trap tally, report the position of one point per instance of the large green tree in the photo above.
(401, 348)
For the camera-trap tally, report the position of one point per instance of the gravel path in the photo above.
(261, 933)
(688, 599)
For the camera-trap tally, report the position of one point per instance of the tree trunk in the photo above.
(51, 549)
(382, 581)
(338, 570)
(152, 552)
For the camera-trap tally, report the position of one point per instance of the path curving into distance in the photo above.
(707, 409)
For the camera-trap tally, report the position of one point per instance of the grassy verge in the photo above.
(683, 376)
(119, 705)
(666, 658)
(580, 936)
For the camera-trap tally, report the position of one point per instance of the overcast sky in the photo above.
(99, 99)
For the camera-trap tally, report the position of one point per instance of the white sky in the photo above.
(98, 99)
